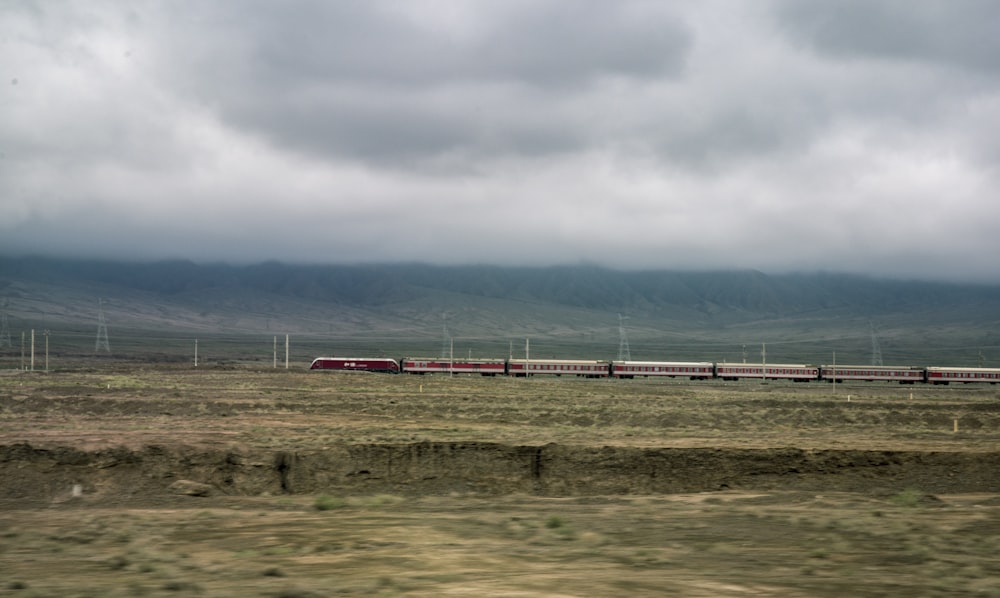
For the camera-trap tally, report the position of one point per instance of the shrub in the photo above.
(325, 502)
(911, 497)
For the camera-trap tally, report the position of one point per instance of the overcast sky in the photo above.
(855, 136)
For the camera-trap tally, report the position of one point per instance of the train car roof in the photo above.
(770, 365)
(354, 359)
(944, 368)
(847, 366)
(627, 362)
(575, 361)
(463, 359)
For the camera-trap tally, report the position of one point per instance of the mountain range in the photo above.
(568, 308)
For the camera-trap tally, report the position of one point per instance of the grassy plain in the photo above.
(762, 536)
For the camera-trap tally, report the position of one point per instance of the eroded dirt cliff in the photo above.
(35, 472)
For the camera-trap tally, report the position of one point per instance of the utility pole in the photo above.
(4, 328)
(32, 349)
(527, 353)
(445, 337)
(286, 351)
(276, 351)
(763, 365)
(46, 350)
(195, 352)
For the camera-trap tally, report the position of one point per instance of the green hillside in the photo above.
(490, 310)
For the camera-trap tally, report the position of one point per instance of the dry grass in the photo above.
(731, 543)
(735, 544)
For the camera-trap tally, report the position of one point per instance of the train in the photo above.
(701, 370)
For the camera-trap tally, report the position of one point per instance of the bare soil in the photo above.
(167, 481)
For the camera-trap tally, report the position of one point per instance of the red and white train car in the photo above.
(422, 365)
(872, 373)
(944, 375)
(558, 367)
(666, 369)
(357, 364)
(771, 371)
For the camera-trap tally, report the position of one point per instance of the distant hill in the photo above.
(568, 304)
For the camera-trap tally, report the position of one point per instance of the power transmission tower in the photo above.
(624, 354)
(445, 337)
(4, 329)
(102, 330)
(876, 349)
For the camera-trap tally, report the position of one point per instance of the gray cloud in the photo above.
(363, 81)
(542, 43)
(955, 34)
(770, 135)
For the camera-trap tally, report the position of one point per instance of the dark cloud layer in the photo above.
(360, 81)
(955, 34)
(853, 136)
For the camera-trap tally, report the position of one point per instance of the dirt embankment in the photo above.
(244, 433)
(46, 473)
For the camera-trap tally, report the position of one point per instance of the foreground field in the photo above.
(226, 482)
